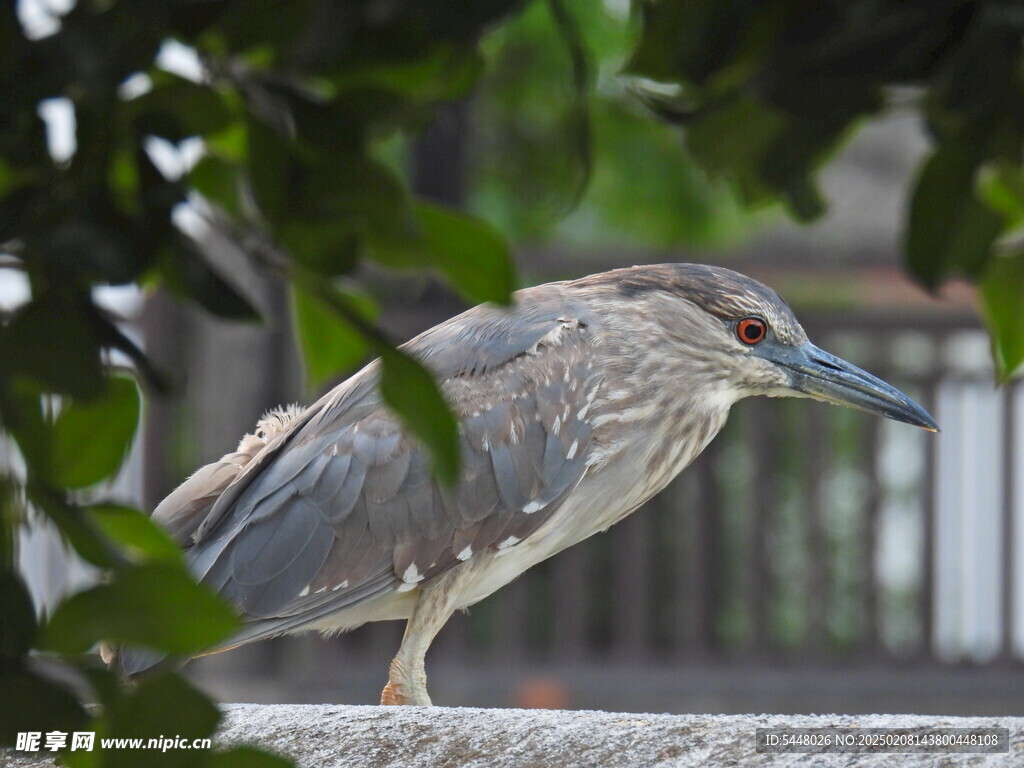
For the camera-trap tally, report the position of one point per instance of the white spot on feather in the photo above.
(305, 590)
(341, 586)
(405, 587)
(465, 554)
(532, 507)
(511, 541)
(412, 574)
(572, 450)
(582, 412)
(556, 427)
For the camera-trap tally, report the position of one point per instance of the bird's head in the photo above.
(742, 333)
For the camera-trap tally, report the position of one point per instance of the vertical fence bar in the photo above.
(929, 505)
(709, 574)
(870, 639)
(570, 571)
(758, 595)
(631, 627)
(511, 616)
(1009, 491)
(817, 574)
(165, 337)
(685, 502)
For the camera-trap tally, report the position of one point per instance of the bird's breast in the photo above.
(607, 493)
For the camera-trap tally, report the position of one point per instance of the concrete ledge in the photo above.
(334, 736)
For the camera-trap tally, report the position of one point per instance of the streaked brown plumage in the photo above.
(575, 406)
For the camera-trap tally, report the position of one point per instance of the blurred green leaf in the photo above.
(950, 230)
(7, 177)
(53, 341)
(92, 438)
(76, 529)
(441, 74)
(177, 108)
(1001, 185)
(330, 344)
(733, 142)
(219, 181)
(31, 702)
(18, 628)
(153, 605)
(471, 255)
(161, 707)
(268, 169)
(1002, 299)
(329, 247)
(410, 390)
(690, 41)
(187, 273)
(357, 191)
(135, 533)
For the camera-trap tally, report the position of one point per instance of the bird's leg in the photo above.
(407, 681)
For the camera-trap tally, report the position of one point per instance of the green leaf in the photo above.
(135, 533)
(18, 628)
(31, 702)
(359, 192)
(161, 707)
(219, 181)
(79, 532)
(91, 439)
(53, 341)
(441, 74)
(1002, 300)
(330, 343)
(247, 757)
(329, 247)
(179, 109)
(1001, 185)
(733, 141)
(188, 274)
(471, 255)
(950, 230)
(411, 391)
(268, 165)
(153, 605)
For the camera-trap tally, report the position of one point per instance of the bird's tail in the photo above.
(133, 661)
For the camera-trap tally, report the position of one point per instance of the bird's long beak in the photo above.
(823, 376)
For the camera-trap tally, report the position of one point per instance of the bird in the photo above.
(575, 404)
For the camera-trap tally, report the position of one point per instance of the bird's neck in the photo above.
(660, 402)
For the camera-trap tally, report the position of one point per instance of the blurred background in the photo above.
(812, 560)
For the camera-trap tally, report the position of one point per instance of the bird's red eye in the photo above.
(751, 330)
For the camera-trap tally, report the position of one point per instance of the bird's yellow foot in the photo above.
(404, 692)
(391, 697)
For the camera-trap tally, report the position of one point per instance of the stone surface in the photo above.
(334, 736)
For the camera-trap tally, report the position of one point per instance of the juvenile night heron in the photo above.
(575, 406)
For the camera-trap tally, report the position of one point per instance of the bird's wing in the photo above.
(342, 506)
(185, 509)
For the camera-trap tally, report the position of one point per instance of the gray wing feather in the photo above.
(337, 508)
